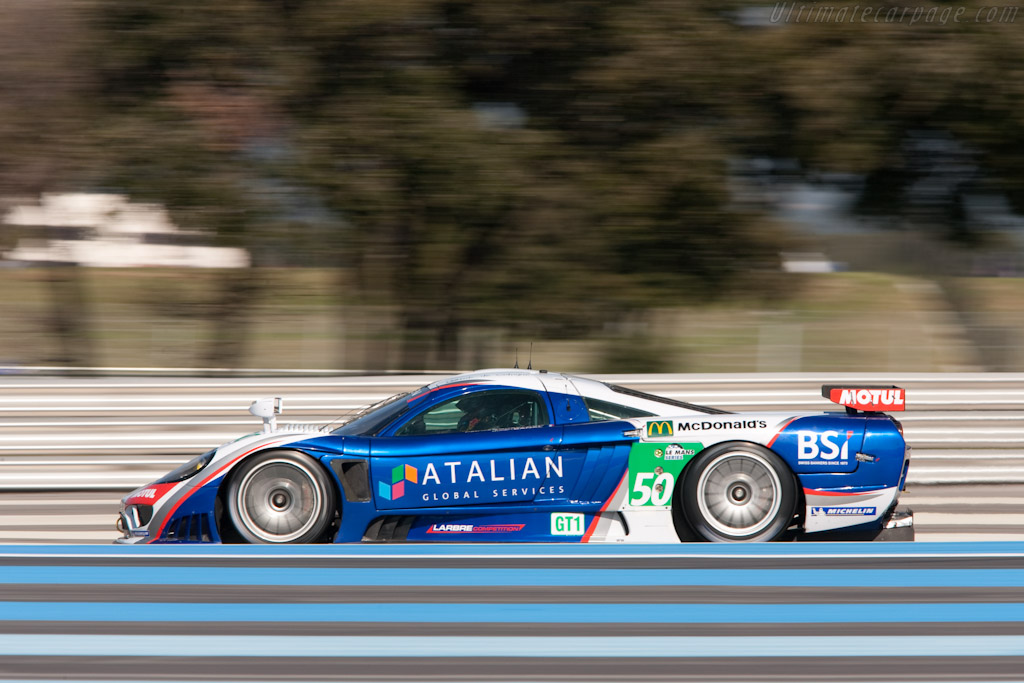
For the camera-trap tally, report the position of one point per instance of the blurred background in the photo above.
(630, 186)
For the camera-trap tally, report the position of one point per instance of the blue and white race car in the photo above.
(524, 455)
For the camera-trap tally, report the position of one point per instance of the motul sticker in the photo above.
(886, 399)
(148, 495)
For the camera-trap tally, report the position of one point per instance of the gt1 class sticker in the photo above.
(654, 469)
(567, 524)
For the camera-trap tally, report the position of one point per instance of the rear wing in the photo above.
(874, 399)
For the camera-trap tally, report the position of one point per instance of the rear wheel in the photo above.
(737, 493)
(281, 497)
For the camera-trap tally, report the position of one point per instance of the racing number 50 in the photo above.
(657, 492)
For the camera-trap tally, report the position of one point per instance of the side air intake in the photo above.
(189, 529)
(389, 529)
(354, 477)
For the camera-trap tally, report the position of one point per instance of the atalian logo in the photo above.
(659, 428)
(396, 489)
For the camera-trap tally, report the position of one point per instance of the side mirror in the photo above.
(268, 409)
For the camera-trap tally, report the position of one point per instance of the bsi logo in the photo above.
(823, 446)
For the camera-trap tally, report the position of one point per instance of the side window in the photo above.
(478, 412)
(600, 411)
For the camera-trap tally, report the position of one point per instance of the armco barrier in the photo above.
(114, 432)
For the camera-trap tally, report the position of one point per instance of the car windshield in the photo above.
(375, 417)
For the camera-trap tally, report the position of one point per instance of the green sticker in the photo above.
(653, 470)
(567, 524)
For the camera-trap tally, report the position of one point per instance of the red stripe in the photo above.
(208, 479)
(782, 429)
(593, 523)
(444, 386)
(816, 492)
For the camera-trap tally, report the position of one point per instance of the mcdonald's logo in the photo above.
(660, 428)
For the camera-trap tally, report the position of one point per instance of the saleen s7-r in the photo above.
(523, 455)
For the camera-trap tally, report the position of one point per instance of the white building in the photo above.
(108, 231)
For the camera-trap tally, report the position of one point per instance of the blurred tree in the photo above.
(42, 87)
(525, 165)
(516, 173)
(43, 128)
(633, 94)
(923, 113)
(187, 117)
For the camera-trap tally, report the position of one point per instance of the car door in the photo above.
(487, 446)
(589, 438)
(604, 451)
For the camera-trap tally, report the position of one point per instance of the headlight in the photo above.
(189, 469)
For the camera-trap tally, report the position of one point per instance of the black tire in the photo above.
(737, 492)
(281, 497)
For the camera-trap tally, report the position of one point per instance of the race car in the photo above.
(513, 455)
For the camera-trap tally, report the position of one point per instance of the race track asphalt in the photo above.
(828, 612)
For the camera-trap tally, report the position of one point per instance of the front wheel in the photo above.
(738, 493)
(281, 497)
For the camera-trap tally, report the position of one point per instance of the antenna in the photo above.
(529, 365)
(516, 366)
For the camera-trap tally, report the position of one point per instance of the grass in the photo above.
(829, 322)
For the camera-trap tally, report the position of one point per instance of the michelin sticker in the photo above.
(818, 511)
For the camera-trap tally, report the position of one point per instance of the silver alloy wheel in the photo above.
(739, 493)
(279, 500)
